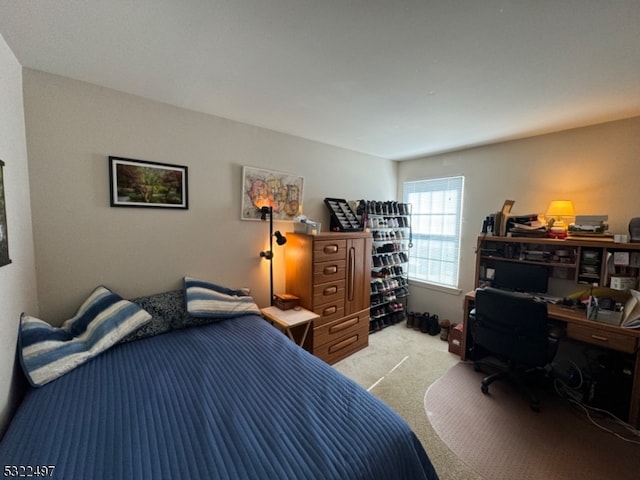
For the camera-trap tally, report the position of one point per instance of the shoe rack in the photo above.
(390, 226)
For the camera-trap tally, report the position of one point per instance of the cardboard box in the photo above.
(623, 283)
(455, 339)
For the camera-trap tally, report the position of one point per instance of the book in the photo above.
(631, 315)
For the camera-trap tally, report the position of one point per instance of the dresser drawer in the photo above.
(596, 336)
(342, 347)
(324, 272)
(345, 326)
(329, 250)
(328, 312)
(328, 292)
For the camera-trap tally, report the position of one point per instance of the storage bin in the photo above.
(310, 228)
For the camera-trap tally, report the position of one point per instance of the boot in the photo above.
(424, 322)
(410, 319)
(433, 325)
(445, 327)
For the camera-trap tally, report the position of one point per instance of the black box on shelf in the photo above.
(343, 219)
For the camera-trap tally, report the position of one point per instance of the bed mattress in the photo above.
(235, 400)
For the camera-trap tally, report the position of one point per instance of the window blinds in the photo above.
(436, 217)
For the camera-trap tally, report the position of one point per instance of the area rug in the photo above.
(501, 438)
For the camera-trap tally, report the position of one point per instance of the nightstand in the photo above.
(286, 320)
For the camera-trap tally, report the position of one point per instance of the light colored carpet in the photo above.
(499, 436)
(398, 367)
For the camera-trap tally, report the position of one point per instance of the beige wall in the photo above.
(597, 167)
(81, 242)
(17, 280)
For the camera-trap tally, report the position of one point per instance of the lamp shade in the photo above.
(560, 208)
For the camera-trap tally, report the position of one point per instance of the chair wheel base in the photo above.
(484, 388)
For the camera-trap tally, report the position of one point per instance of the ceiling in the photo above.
(397, 79)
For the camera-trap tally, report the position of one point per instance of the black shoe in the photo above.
(434, 325)
(424, 322)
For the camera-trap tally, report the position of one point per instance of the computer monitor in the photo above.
(521, 277)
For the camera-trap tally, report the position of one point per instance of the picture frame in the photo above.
(141, 183)
(281, 191)
(4, 238)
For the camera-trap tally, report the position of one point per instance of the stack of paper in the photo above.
(586, 225)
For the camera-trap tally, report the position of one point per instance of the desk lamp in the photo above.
(268, 254)
(556, 213)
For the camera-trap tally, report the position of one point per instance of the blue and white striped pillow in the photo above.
(47, 352)
(209, 300)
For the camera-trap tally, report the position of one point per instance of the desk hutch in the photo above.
(573, 264)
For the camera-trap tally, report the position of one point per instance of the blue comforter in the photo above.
(231, 400)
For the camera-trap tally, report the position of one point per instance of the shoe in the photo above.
(424, 322)
(434, 325)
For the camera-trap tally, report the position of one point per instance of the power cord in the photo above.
(587, 409)
(574, 396)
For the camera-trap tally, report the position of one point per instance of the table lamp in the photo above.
(556, 213)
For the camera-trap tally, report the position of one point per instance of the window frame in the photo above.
(436, 241)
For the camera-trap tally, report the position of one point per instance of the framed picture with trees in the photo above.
(140, 183)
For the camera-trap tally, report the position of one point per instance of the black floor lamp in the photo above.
(268, 254)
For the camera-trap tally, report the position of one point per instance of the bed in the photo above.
(186, 396)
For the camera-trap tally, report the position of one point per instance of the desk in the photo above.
(588, 331)
(287, 319)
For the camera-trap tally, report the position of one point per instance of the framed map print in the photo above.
(266, 188)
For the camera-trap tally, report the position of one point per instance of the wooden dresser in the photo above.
(330, 273)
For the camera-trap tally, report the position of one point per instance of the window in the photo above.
(436, 218)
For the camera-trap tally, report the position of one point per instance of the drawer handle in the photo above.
(330, 270)
(343, 325)
(330, 249)
(601, 338)
(351, 274)
(329, 310)
(343, 344)
(330, 290)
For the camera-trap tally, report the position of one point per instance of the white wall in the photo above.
(81, 242)
(17, 280)
(597, 167)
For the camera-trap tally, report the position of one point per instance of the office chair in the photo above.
(512, 327)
